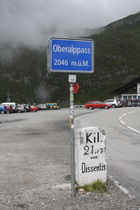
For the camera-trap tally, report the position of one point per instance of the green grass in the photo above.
(97, 186)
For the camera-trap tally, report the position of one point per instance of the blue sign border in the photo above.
(70, 55)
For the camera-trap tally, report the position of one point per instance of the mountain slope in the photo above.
(117, 51)
(117, 48)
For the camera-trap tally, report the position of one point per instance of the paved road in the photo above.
(35, 160)
(122, 128)
(34, 156)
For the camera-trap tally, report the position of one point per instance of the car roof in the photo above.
(93, 101)
(110, 99)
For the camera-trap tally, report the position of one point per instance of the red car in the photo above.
(97, 104)
(9, 108)
(33, 108)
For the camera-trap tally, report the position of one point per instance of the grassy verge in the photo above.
(97, 186)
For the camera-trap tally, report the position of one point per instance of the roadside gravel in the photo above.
(59, 198)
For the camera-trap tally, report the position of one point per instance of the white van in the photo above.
(12, 104)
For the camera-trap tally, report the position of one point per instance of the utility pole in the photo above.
(8, 96)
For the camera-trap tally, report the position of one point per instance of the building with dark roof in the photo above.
(130, 91)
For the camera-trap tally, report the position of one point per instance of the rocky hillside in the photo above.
(24, 76)
(128, 21)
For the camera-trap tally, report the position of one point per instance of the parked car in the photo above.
(124, 103)
(97, 104)
(52, 106)
(138, 103)
(114, 102)
(133, 103)
(20, 108)
(47, 106)
(9, 108)
(12, 104)
(33, 108)
(26, 107)
(41, 106)
(3, 109)
(130, 103)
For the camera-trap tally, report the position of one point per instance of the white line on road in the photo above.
(122, 122)
(133, 129)
(131, 112)
(120, 118)
(121, 187)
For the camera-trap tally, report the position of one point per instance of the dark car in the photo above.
(124, 103)
(97, 104)
(138, 103)
(133, 103)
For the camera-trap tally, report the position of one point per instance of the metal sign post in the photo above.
(72, 140)
(72, 78)
(71, 56)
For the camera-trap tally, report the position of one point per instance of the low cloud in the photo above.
(32, 22)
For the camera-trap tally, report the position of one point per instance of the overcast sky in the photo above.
(33, 21)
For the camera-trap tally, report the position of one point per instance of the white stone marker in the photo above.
(90, 145)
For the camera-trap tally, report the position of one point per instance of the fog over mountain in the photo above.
(25, 76)
(32, 22)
